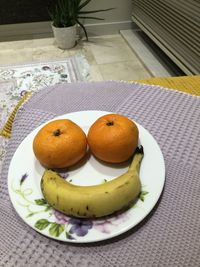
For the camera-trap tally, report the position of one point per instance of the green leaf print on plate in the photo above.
(56, 229)
(42, 224)
(59, 223)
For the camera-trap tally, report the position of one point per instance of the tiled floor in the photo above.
(110, 57)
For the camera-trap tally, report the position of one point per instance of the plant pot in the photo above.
(65, 37)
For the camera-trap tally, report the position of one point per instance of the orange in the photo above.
(113, 138)
(60, 144)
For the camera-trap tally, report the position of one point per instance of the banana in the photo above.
(93, 201)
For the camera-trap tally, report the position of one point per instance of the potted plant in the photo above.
(65, 16)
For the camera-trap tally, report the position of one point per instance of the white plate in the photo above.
(24, 188)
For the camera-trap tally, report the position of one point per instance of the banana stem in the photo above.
(137, 158)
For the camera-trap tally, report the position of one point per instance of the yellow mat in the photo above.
(7, 129)
(187, 84)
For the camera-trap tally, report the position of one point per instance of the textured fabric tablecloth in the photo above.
(170, 234)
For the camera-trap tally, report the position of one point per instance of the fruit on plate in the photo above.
(93, 201)
(59, 144)
(113, 138)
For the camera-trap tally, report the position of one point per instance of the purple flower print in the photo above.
(104, 226)
(107, 225)
(60, 217)
(23, 178)
(80, 227)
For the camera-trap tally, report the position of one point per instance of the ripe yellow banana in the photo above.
(93, 201)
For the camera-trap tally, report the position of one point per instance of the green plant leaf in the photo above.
(42, 224)
(56, 229)
(82, 26)
(90, 18)
(84, 4)
(41, 202)
(65, 13)
(95, 11)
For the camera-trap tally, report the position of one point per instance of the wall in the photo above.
(117, 19)
(122, 11)
(30, 17)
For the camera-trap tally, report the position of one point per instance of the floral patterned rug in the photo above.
(16, 81)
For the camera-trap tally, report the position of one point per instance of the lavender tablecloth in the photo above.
(170, 234)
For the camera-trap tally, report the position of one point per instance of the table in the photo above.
(169, 235)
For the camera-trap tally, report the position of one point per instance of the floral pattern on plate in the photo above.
(59, 223)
